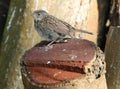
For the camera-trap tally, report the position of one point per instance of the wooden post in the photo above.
(112, 50)
(76, 64)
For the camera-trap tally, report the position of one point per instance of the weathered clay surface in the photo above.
(62, 62)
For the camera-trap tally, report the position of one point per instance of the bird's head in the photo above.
(39, 15)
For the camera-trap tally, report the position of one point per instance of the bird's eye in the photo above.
(39, 14)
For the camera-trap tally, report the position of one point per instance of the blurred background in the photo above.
(4, 6)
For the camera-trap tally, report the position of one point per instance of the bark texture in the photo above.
(103, 10)
(112, 50)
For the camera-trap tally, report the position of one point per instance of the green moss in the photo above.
(9, 47)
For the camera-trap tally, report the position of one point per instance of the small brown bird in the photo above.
(53, 29)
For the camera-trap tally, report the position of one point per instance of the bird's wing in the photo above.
(57, 26)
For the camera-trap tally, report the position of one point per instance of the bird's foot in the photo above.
(48, 47)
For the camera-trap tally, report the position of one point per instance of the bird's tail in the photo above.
(72, 28)
(84, 31)
(77, 33)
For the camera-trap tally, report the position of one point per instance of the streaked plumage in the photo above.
(52, 28)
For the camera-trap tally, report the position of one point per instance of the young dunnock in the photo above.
(53, 29)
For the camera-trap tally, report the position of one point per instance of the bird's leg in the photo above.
(51, 43)
(56, 40)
